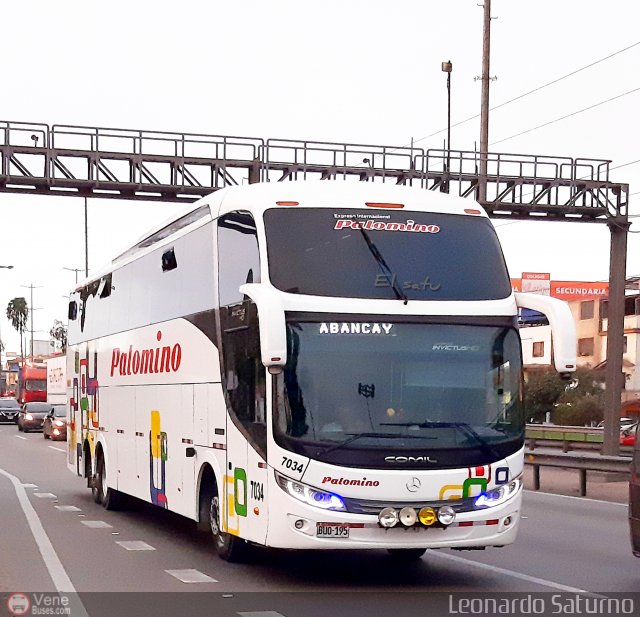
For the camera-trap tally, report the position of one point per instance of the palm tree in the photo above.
(17, 313)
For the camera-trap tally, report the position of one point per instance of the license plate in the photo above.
(328, 530)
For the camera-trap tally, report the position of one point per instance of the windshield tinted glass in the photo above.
(390, 254)
(59, 411)
(9, 403)
(37, 407)
(408, 386)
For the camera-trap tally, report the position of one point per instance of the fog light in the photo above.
(427, 516)
(388, 517)
(507, 521)
(299, 524)
(446, 515)
(408, 516)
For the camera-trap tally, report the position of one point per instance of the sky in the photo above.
(355, 71)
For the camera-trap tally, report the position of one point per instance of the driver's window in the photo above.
(238, 255)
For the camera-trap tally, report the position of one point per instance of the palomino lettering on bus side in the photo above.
(165, 359)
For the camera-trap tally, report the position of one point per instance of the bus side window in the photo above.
(238, 255)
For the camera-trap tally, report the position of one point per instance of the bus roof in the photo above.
(334, 193)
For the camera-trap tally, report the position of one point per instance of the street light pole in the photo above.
(447, 67)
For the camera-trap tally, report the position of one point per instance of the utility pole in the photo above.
(31, 309)
(86, 240)
(484, 102)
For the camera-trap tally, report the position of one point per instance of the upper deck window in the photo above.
(385, 255)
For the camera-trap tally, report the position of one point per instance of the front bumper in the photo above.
(294, 525)
(7, 416)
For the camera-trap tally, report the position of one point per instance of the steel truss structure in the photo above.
(150, 165)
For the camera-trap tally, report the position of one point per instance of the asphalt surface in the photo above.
(566, 545)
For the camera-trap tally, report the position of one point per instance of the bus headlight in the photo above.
(388, 517)
(310, 496)
(498, 495)
(446, 515)
(408, 516)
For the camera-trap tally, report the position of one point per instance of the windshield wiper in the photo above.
(463, 426)
(377, 255)
(354, 436)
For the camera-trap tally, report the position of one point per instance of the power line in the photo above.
(575, 113)
(521, 96)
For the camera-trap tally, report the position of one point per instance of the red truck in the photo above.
(32, 384)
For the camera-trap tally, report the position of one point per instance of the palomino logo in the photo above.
(348, 482)
(142, 362)
(380, 226)
(410, 459)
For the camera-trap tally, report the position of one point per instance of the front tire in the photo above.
(228, 547)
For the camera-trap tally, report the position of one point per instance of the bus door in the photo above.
(243, 379)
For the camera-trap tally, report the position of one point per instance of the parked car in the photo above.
(9, 409)
(55, 424)
(624, 423)
(634, 497)
(32, 416)
(628, 435)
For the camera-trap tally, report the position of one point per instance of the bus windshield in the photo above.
(385, 255)
(35, 385)
(354, 389)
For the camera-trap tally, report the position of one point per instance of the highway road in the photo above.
(53, 537)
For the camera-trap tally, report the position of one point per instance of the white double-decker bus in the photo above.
(310, 365)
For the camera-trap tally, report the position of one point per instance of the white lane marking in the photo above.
(46, 495)
(57, 449)
(97, 524)
(56, 570)
(30, 485)
(20, 437)
(611, 503)
(135, 545)
(261, 614)
(67, 508)
(191, 576)
(518, 575)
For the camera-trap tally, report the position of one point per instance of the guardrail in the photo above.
(582, 461)
(568, 437)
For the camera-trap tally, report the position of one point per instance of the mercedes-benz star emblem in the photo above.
(413, 485)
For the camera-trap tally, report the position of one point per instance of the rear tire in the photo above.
(228, 547)
(406, 554)
(44, 434)
(109, 498)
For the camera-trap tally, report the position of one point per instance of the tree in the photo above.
(17, 313)
(577, 402)
(58, 334)
(541, 392)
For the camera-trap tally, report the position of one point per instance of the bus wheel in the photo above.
(406, 554)
(230, 548)
(108, 497)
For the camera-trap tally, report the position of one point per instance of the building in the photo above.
(588, 304)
